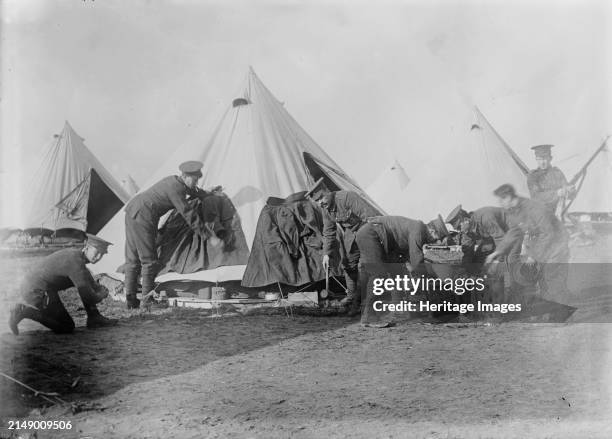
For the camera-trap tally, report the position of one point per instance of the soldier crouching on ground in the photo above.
(57, 272)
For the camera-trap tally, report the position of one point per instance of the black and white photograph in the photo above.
(305, 219)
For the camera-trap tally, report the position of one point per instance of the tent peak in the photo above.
(240, 101)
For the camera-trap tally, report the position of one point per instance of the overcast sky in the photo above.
(370, 81)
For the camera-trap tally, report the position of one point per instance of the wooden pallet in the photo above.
(196, 302)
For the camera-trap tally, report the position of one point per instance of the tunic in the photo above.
(543, 185)
(350, 211)
(57, 272)
(144, 211)
(547, 239)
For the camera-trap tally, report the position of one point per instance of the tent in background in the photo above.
(595, 193)
(71, 189)
(388, 187)
(256, 151)
(475, 162)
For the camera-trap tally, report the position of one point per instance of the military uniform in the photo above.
(486, 229)
(385, 243)
(392, 239)
(350, 211)
(142, 216)
(544, 184)
(547, 242)
(57, 272)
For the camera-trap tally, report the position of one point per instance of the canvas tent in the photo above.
(595, 193)
(474, 161)
(256, 151)
(388, 187)
(71, 189)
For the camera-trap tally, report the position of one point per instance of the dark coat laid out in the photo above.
(180, 249)
(288, 244)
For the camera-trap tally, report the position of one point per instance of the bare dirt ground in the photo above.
(185, 374)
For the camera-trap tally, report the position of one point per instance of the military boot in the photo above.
(131, 283)
(97, 320)
(355, 308)
(17, 314)
(21, 311)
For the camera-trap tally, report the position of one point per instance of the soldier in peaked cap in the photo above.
(349, 211)
(57, 272)
(142, 215)
(481, 231)
(547, 184)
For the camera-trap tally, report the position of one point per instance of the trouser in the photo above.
(140, 255)
(350, 265)
(374, 264)
(46, 308)
(553, 282)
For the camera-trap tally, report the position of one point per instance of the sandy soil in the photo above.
(183, 373)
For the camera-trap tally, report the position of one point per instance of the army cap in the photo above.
(192, 167)
(317, 187)
(542, 150)
(455, 214)
(98, 243)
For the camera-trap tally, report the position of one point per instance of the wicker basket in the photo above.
(443, 254)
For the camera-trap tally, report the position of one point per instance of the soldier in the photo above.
(59, 271)
(547, 184)
(481, 231)
(142, 215)
(350, 211)
(547, 239)
(394, 240)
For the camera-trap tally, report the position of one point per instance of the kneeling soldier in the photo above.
(54, 273)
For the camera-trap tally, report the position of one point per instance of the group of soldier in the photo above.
(367, 237)
(67, 268)
(488, 234)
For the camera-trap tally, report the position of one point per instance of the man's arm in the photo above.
(185, 209)
(512, 236)
(417, 239)
(329, 233)
(84, 282)
(546, 196)
(359, 206)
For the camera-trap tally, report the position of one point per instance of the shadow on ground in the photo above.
(92, 363)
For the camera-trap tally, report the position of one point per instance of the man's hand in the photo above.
(326, 262)
(213, 239)
(492, 257)
(100, 292)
